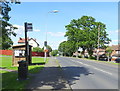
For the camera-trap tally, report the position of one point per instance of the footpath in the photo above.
(50, 78)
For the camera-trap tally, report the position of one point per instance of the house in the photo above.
(31, 42)
(115, 50)
(99, 52)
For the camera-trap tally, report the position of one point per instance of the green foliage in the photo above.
(67, 48)
(84, 32)
(6, 29)
(108, 51)
(54, 53)
(49, 48)
(9, 79)
(37, 49)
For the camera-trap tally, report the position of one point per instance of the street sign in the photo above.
(46, 50)
(29, 27)
(45, 43)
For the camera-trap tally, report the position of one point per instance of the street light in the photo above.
(45, 43)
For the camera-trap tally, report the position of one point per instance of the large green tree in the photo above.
(6, 29)
(84, 32)
(67, 48)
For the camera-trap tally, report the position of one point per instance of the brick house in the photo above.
(115, 50)
(31, 42)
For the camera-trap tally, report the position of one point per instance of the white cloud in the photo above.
(21, 30)
(114, 31)
(114, 42)
(57, 34)
(36, 30)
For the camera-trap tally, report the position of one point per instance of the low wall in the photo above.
(10, 52)
(6, 52)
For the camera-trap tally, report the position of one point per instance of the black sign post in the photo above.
(28, 27)
(26, 42)
(23, 64)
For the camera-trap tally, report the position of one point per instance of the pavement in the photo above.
(50, 78)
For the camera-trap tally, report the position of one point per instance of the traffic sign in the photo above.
(46, 50)
(45, 43)
(29, 27)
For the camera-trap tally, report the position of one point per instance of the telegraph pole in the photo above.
(98, 42)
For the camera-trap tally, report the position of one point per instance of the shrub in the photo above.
(37, 49)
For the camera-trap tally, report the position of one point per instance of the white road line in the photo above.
(103, 71)
(93, 67)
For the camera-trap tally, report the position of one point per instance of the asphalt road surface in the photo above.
(86, 74)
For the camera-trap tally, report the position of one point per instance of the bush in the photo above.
(37, 49)
(79, 56)
(54, 53)
(74, 55)
(91, 57)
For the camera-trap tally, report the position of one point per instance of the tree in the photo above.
(37, 49)
(6, 29)
(67, 48)
(54, 53)
(84, 32)
(108, 52)
(49, 48)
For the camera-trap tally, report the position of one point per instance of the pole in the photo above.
(26, 51)
(45, 56)
(98, 43)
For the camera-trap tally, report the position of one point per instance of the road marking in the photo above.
(103, 71)
(93, 67)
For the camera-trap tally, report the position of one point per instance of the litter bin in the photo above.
(22, 70)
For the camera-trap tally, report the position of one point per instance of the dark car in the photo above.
(103, 57)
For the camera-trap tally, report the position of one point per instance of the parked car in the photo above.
(116, 58)
(103, 57)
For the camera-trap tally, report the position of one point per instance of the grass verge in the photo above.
(9, 79)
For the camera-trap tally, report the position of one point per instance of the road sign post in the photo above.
(28, 28)
(45, 51)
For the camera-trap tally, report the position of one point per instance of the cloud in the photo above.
(57, 34)
(21, 30)
(114, 42)
(114, 31)
(36, 30)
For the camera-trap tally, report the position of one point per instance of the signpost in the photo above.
(45, 51)
(28, 27)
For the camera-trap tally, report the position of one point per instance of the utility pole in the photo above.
(98, 42)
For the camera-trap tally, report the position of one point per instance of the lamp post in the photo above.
(45, 42)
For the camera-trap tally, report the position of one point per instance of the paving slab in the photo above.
(50, 78)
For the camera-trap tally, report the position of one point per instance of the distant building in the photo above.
(31, 42)
(115, 50)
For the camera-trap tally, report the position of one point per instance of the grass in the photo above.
(9, 79)
(10, 82)
(35, 60)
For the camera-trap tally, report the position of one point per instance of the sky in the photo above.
(53, 24)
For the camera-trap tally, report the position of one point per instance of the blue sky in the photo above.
(54, 23)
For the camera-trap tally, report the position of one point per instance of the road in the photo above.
(86, 74)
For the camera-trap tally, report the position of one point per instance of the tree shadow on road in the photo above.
(56, 78)
(73, 73)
